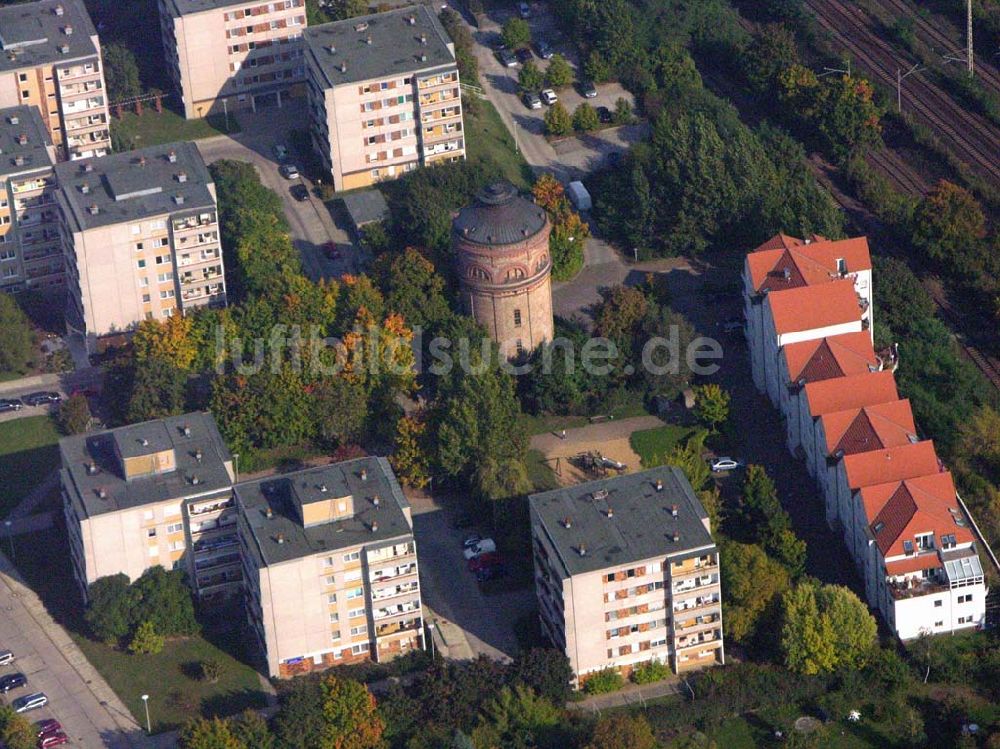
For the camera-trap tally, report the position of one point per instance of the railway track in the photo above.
(898, 172)
(988, 365)
(937, 109)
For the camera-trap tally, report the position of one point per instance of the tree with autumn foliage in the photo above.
(411, 455)
(948, 223)
(170, 340)
(351, 719)
(569, 231)
(208, 733)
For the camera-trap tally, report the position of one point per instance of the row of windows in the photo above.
(394, 101)
(371, 88)
(271, 7)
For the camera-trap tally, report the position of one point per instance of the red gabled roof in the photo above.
(843, 393)
(891, 464)
(899, 510)
(834, 356)
(859, 430)
(912, 564)
(806, 262)
(814, 307)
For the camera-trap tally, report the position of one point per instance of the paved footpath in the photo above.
(630, 694)
(79, 698)
(606, 430)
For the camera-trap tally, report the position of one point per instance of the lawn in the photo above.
(539, 474)
(28, 453)
(170, 677)
(654, 445)
(153, 128)
(488, 139)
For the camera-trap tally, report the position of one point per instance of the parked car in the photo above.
(12, 681)
(486, 546)
(484, 560)
(544, 49)
(724, 464)
(6, 657)
(493, 572)
(549, 96)
(280, 152)
(524, 10)
(14, 404)
(49, 725)
(299, 192)
(57, 738)
(531, 101)
(506, 58)
(30, 702)
(472, 540)
(331, 251)
(41, 398)
(604, 115)
(523, 55)
(289, 171)
(588, 89)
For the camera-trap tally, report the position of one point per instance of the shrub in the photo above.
(603, 682)
(146, 641)
(650, 671)
(585, 118)
(210, 670)
(74, 415)
(557, 120)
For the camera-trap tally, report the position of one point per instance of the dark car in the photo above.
(491, 559)
(543, 49)
(506, 58)
(588, 89)
(58, 738)
(604, 115)
(10, 404)
(41, 398)
(299, 192)
(47, 726)
(12, 681)
(493, 572)
(523, 54)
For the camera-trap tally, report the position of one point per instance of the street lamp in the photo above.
(430, 630)
(145, 702)
(10, 540)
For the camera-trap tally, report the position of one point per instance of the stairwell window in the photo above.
(517, 318)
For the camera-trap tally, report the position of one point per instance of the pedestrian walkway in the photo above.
(35, 497)
(630, 694)
(614, 429)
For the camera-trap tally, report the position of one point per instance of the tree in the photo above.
(771, 51)
(549, 192)
(110, 603)
(164, 601)
(157, 391)
(211, 670)
(170, 340)
(585, 118)
(205, 733)
(341, 408)
(557, 120)
(604, 681)
(146, 640)
(711, 405)
(411, 455)
(752, 583)
(351, 720)
(516, 33)
(622, 731)
(596, 69)
(413, 288)
(558, 73)
(121, 72)
(17, 339)
(947, 221)
(824, 628)
(623, 112)
(251, 730)
(74, 414)
(901, 300)
(546, 671)
(979, 440)
(300, 723)
(15, 731)
(530, 78)
(516, 719)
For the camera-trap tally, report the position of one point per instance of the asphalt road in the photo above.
(64, 383)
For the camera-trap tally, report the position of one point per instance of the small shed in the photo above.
(579, 196)
(364, 207)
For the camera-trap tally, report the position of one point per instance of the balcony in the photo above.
(390, 573)
(193, 222)
(399, 551)
(391, 628)
(385, 594)
(910, 587)
(210, 507)
(697, 604)
(206, 545)
(694, 583)
(696, 623)
(694, 640)
(401, 609)
(219, 561)
(83, 105)
(202, 257)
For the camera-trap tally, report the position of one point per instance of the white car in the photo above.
(485, 546)
(6, 657)
(549, 96)
(30, 702)
(724, 464)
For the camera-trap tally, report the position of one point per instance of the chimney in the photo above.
(582, 550)
(85, 188)
(179, 199)
(676, 536)
(364, 474)
(58, 10)
(331, 50)
(102, 493)
(195, 480)
(412, 20)
(186, 430)
(268, 512)
(423, 38)
(144, 442)
(22, 139)
(197, 455)
(659, 485)
(68, 30)
(567, 522)
(142, 161)
(343, 67)
(182, 176)
(18, 160)
(322, 488)
(14, 119)
(673, 510)
(368, 40)
(423, 57)
(281, 538)
(374, 526)
(91, 468)
(611, 512)
(172, 156)
(375, 500)
(88, 167)
(94, 210)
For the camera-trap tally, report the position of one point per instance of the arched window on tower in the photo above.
(478, 274)
(515, 274)
(542, 262)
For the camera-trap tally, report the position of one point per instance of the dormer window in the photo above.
(948, 541)
(908, 547)
(925, 541)
(842, 266)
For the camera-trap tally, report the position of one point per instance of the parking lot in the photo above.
(470, 622)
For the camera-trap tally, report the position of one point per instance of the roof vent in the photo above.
(144, 442)
(181, 176)
(88, 167)
(19, 161)
(374, 526)
(423, 57)
(198, 455)
(172, 156)
(141, 161)
(567, 522)
(195, 480)
(364, 474)
(14, 119)
(22, 139)
(412, 20)
(94, 210)
(676, 536)
(674, 510)
(582, 550)
(85, 188)
(102, 493)
(376, 500)
(659, 485)
(281, 538)
(91, 468)
(186, 430)
(268, 512)
(331, 50)
(64, 49)
(58, 10)
(368, 40)
(179, 199)
(343, 67)
(359, 27)
(68, 30)
(322, 488)
(611, 512)
(423, 38)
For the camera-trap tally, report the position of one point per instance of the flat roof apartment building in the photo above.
(384, 95)
(155, 493)
(141, 239)
(225, 55)
(330, 565)
(50, 59)
(31, 255)
(626, 571)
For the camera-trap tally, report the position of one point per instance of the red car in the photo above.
(53, 739)
(331, 251)
(47, 726)
(484, 561)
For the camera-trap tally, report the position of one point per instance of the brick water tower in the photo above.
(504, 268)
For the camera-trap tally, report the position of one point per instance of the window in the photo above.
(332, 598)
(328, 562)
(355, 613)
(352, 557)
(140, 263)
(22, 77)
(334, 617)
(354, 593)
(517, 318)
(938, 624)
(359, 630)
(352, 576)
(162, 259)
(139, 246)
(151, 532)
(169, 312)
(907, 547)
(146, 299)
(330, 580)
(938, 603)
(519, 345)
(948, 541)
(164, 277)
(335, 635)
(175, 527)
(167, 294)
(359, 648)
(176, 545)
(144, 281)
(925, 542)
(965, 599)
(134, 229)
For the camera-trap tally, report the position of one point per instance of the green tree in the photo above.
(530, 78)
(350, 716)
(251, 730)
(412, 452)
(516, 33)
(559, 73)
(158, 388)
(120, 72)
(74, 414)
(650, 672)
(948, 221)
(603, 681)
(340, 10)
(711, 405)
(824, 628)
(546, 671)
(413, 288)
(340, 409)
(164, 601)
(15, 731)
(110, 604)
(771, 51)
(211, 670)
(557, 120)
(849, 116)
(300, 722)
(516, 719)
(752, 583)
(208, 733)
(585, 118)
(623, 112)
(596, 69)
(146, 640)
(17, 339)
(622, 731)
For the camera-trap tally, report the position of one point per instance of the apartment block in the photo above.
(31, 255)
(224, 55)
(156, 493)
(51, 60)
(330, 565)
(384, 96)
(786, 263)
(141, 239)
(626, 572)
